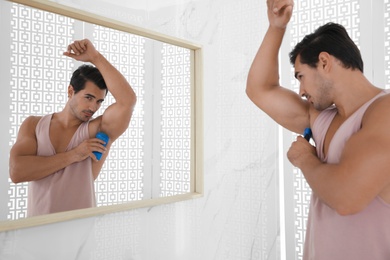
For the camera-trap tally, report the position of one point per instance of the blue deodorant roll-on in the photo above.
(104, 137)
(307, 134)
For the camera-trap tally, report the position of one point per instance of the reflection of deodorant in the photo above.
(104, 137)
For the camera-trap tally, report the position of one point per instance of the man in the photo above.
(349, 169)
(54, 153)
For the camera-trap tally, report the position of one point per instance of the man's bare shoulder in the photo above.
(381, 102)
(26, 134)
(32, 120)
(29, 124)
(378, 111)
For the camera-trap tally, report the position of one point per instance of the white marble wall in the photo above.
(237, 219)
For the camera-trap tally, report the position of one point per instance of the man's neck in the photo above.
(352, 93)
(66, 119)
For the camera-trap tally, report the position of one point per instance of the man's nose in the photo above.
(302, 92)
(93, 107)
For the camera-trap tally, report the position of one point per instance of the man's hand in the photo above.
(300, 151)
(279, 12)
(82, 50)
(87, 147)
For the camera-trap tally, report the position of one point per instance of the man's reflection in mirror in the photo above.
(55, 152)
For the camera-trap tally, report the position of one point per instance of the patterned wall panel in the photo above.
(121, 178)
(39, 76)
(309, 15)
(175, 121)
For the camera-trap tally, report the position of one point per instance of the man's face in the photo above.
(86, 102)
(314, 86)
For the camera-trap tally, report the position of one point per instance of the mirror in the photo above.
(158, 159)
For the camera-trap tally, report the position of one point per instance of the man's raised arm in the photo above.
(286, 107)
(116, 118)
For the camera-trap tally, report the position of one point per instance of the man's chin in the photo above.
(85, 118)
(321, 108)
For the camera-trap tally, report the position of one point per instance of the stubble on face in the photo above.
(323, 98)
(82, 115)
(82, 102)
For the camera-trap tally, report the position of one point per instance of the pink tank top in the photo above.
(330, 236)
(68, 189)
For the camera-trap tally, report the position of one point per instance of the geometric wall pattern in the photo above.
(121, 178)
(39, 78)
(175, 163)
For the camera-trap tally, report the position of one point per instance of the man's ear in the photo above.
(324, 61)
(70, 91)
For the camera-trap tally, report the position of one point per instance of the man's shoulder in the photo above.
(32, 121)
(379, 109)
(381, 101)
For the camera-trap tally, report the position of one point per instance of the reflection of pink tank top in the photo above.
(329, 236)
(68, 189)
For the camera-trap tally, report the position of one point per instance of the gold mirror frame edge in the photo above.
(197, 189)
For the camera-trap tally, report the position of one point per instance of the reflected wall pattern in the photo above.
(175, 121)
(39, 77)
(122, 174)
(308, 16)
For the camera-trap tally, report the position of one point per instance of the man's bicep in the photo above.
(26, 143)
(371, 144)
(284, 106)
(366, 157)
(115, 120)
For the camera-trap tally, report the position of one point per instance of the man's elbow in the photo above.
(14, 173)
(131, 100)
(258, 91)
(130, 106)
(249, 84)
(15, 178)
(250, 91)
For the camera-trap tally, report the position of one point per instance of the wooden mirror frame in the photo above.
(196, 189)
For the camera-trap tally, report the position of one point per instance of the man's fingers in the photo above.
(281, 5)
(77, 47)
(81, 45)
